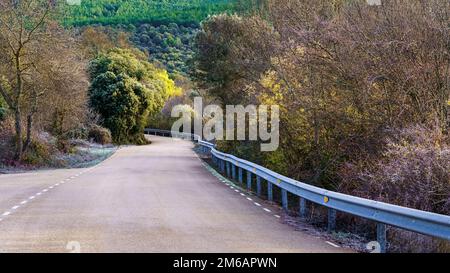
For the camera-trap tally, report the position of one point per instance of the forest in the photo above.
(184, 12)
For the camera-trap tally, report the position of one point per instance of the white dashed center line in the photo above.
(331, 244)
(268, 210)
(43, 191)
(257, 204)
(277, 216)
(249, 199)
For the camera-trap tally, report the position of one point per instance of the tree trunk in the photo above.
(28, 139)
(19, 143)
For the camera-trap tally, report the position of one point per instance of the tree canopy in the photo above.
(126, 89)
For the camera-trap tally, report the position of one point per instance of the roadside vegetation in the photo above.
(363, 92)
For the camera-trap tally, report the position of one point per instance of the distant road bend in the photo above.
(156, 198)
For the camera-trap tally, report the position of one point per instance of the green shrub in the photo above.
(40, 153)
(100, 135)
(125, 91)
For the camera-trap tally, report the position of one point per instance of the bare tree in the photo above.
(26, 26)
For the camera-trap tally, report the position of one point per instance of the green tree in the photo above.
(126, 90)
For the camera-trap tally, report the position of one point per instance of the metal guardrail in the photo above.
(383, 214)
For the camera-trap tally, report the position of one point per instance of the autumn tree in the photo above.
(26, 28)
(230, 52)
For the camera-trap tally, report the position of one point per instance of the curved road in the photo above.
(156, 198)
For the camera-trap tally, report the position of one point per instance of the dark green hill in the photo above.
(109, 12)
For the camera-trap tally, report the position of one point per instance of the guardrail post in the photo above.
(331, 220)
(249, 180)
(284, 199)
(240, 175)
(258, 185)
(381, 237)
(233, 171)
(222, 165)
(303, 208)
(269, 191)
(228, 169)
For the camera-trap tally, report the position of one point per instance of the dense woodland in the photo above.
(363, 90)
(184, 12)
(171, 45)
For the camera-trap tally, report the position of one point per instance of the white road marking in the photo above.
(277, 216)
(331, 244)
(32, 197)
(39, 193)
(257, 204)
(23, 202)
(6, 213)
(51, 187)
(15, 207)
(45, 190)
(249, 199)
(268, 210)
(242, 194)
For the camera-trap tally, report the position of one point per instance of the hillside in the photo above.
(109, 12)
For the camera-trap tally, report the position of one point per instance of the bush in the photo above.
(6, 140)
(40, 153)
(412, 172)
(100, 135)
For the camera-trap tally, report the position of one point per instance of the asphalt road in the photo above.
(156, 198)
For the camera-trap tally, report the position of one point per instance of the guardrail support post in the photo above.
(381, 237)
(284, 199)
(269, 191)
(331, 220)
(240, 175)
(222, 165)
(228, 169)
(258, 185)
(303, 208)
(233, 171)
(249, 180)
